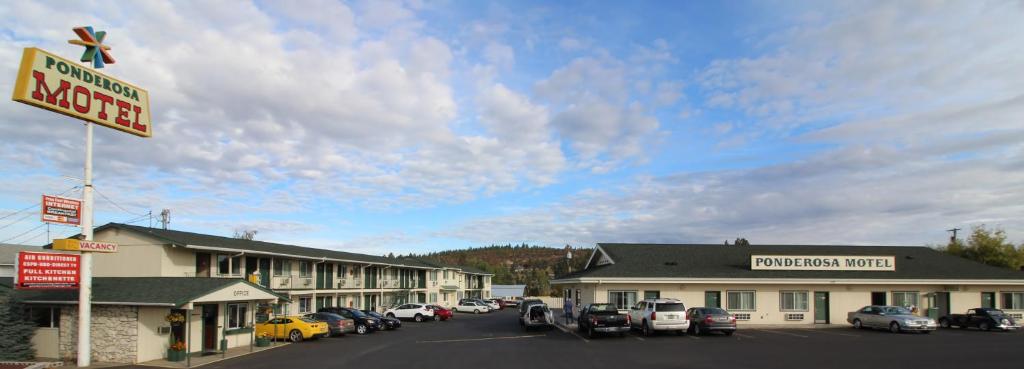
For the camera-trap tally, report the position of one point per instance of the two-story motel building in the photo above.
(221, 286)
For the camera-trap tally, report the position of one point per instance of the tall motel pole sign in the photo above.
(62, 86)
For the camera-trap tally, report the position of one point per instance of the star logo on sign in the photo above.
(95, 51)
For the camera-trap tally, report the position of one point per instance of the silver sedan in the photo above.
(894, 318)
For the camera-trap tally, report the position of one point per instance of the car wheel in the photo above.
(476, 311)
(418, 318)
(295, 335)
(894, 327)
(361, 329)
(437, 318)
(944, 323)
(984, 326)
(857, 324)
(590, 333)
(391, 315)
(696, 330)
(647, 329)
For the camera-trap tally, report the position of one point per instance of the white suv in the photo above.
(659, 315)
(417, 312)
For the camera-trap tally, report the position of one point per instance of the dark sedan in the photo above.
(364, 323)
(389, 323)
(337, 325)
(711, 319)
(985, 319)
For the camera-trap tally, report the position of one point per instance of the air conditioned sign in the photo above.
(40, 270)
(53, 83)
(829, 262)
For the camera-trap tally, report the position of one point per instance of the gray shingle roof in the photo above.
(9, 252)
(718, 261)
(171, 291)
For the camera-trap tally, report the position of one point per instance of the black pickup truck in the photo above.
(985, 319)
(602, 318)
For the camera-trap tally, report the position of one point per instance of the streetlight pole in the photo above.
(85, 285)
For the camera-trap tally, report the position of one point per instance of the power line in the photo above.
(24, 233)
(116, 204)
(36, 204)
(32, 237)
(16, 221)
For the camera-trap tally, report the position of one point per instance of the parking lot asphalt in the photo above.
(496, 341)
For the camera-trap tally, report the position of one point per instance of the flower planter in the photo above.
(175, 355)
(262, 342)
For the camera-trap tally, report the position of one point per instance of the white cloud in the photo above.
(500, 55)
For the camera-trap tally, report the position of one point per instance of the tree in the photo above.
(16, 329)
(988, 247)
(740, 242)
(246, 234)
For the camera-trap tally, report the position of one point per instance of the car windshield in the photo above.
(604, 307)
(669, 307)
(995, 312)
(373, 314)
(308, 320)
(715, 311)
(896, 310)
(357, 313)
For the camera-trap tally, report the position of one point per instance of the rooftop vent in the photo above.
(671, 263)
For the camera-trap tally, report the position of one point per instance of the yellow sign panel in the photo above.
(72, 244)
(53, 83)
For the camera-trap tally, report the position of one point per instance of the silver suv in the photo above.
(659, 315)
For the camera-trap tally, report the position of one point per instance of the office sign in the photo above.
(61, 210)
(42, 270)
(56, 84)
(823, 262)
(72, 244)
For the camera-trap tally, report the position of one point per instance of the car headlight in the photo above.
(1006, 322)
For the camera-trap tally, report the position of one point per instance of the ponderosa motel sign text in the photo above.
(823, 262)
(60, 85)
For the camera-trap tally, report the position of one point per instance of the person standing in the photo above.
(568, 309)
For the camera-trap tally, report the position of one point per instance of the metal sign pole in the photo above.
(85, 285)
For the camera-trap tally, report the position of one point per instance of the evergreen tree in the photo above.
(16, 329)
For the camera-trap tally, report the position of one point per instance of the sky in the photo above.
(418, 126)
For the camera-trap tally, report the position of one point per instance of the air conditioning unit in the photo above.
(793, 317)
(307, 281)
(283, 282)
(341, 283)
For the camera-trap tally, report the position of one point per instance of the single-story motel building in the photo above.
(166, 286)
(793, 285)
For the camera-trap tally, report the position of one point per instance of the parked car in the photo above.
(711, 319)
(894, 318)
(491, 305)
(440, 313)
(525, 303)
(537, 315)
(472, 307)
(654, 315)
(512, 302)
(498, 302)
(336, 324)
(602, 318)
(364, 323)
(982, 318)
(387, 323)
(417, 312)
(292, 328)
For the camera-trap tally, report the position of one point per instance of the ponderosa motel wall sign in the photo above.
(823, 262)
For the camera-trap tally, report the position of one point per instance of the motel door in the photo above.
(942, 302)
(820, 307)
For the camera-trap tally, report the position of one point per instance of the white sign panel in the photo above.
(823, 262)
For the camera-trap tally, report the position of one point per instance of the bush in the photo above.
(16, 329)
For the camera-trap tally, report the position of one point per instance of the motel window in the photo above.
(236, 265)
(793, 300)
(236, 315)
(305, 269)
(46, 317)
(282, 267)
(342, 271)
(652, 295)
(1013, 300)
(304, 306)
(741, 300)
(223, 264)
(905, 299)
(622, 299)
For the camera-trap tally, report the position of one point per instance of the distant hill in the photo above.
(525, 264)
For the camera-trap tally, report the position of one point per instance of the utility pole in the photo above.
(953, 238)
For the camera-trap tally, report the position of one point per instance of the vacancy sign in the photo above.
(72, 244)
(53, 83)
(42, 270)
(61, 210)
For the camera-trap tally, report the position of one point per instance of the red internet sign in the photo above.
(61, 210)
(43, 270)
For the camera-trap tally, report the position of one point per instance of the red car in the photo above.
(441, 313)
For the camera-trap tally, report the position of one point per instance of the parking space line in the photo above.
(743, 335)
(639, 338)
(692, 336)
(825, 331)
(569, 331)
(783, 333)
(482, 339)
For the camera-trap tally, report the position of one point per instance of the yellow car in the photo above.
(292, 328)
